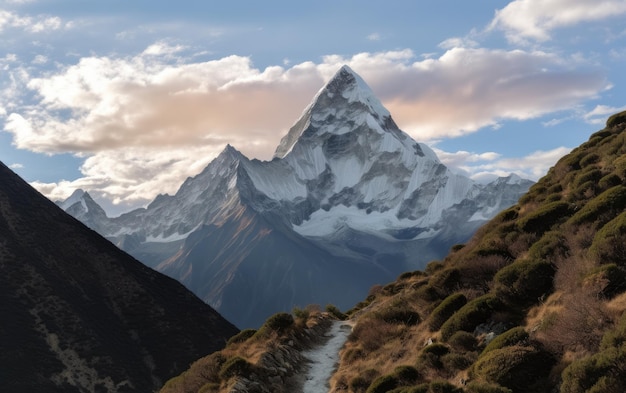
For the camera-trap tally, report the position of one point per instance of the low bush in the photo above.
(407, 375)
(603, 372)
(279, 322)
(609, 243)
(481, 387)
(601, 208)
(551, 245)
(383, 384)
(443, 387)
(608, 181)
(606, 280)
(210, 387)
(235, 367)
(399, 314)
(457, 362)
(437, 349)
(616, 119)
(542, 219)
(520, 368)
(524, 282)
(471, 315)
(445, 281)
(463, 341)
(242, 336)
(514, 336)
(445, 309)
(334, 311)
(360, 383)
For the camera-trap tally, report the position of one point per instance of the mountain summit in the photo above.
(348, 201)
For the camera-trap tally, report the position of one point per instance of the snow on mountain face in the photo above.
(355, 168)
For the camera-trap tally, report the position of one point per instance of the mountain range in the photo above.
(348, 201)
(80, 315)
(534, 302)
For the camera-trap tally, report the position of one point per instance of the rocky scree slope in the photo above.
(348, 201)
(80, 315)
(534, 302)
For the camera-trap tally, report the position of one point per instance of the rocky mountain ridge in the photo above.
(80, 315)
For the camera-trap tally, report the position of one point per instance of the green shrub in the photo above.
(604, 372)
(432, 267)
(334, 311)
(210, 387)
(609, 243)
(524, 282)
(543, 218)
(616, 337)
(608, 181)
(301, 313)
(235, 367)
(616, 119)
(551, 245)
(602, 208)
(457, 361)
(399, 314)
(407, 375)
(520, 368)
(242, 336)
(421, 388)
(445, 280)
(383, 384)
(445, 309)
(463, 341)
(590, 174)
(279, 322)
(443, 387)
(436, 349)
(608, 279)
(481, 387)
(514, 336)
(471, 315)
(359, 384)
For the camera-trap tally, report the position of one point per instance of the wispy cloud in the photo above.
(522, 20)
(374, 37)
(600, 113)
(31, 24)
(487, 166)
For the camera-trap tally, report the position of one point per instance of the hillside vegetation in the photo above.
(534, 302)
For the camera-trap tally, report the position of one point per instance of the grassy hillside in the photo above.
(534, 302)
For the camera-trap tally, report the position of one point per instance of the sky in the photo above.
(126, 99)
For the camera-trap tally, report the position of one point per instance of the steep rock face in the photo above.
(348, 201)
(81, 315)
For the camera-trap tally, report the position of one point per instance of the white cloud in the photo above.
(374, 37)
(532, 166)
(145, 123)
(16, 165)
(535, 19)
(600, 113)
(32, 24)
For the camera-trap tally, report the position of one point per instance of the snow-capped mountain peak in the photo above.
(76, 197)
(346, 101)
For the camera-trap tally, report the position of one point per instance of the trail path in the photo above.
(324, 359)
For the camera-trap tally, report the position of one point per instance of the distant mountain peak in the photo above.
(346, 102)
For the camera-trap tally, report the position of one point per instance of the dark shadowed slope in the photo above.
(78, 315)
